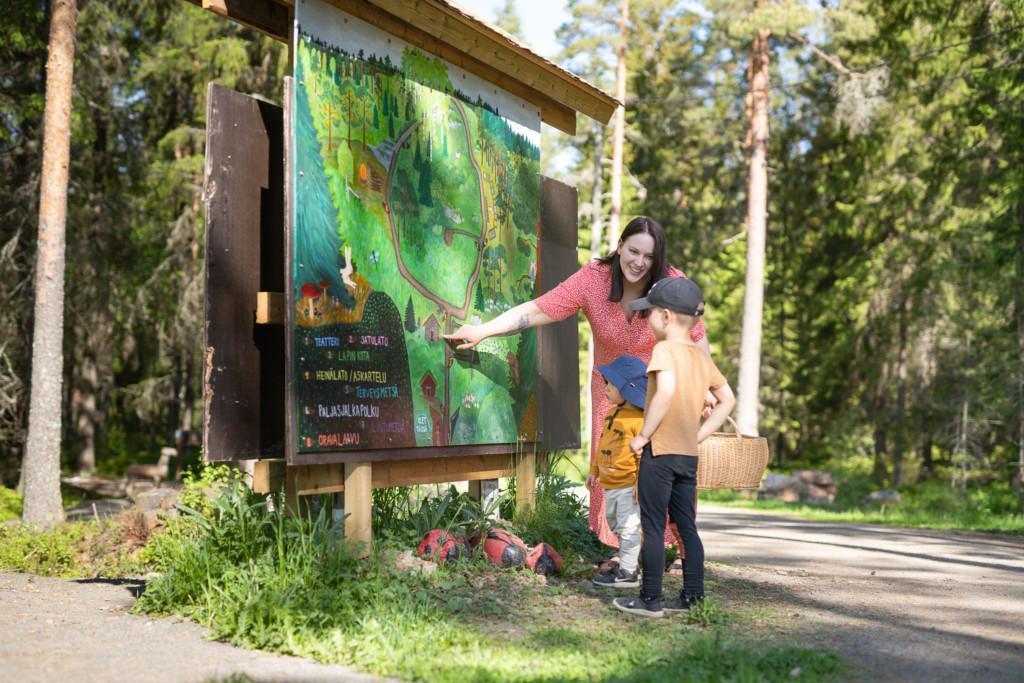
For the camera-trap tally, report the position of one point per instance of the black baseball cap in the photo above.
(678, 294)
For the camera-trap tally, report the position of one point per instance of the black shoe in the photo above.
(683, 603)
(645, 608)
(618, 578)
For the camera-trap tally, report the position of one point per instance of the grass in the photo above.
(994, 507)
(287, 584)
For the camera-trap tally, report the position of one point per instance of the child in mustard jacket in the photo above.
(615, 467)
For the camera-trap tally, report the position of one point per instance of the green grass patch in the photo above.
(288, 584)
(10, 504)
(931, 505)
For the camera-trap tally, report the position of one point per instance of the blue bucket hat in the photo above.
(629, 375)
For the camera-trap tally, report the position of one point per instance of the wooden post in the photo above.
(475, 490)
(358, 502)
(526, 482)
(291, 492)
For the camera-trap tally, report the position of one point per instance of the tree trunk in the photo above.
(927, 465)
(1018, 305)
(596, 229)
(42, 454)
(84, 412)
(757, 218)
(619, 134)
(901, 400)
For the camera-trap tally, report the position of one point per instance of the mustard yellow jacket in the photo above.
(615, 465)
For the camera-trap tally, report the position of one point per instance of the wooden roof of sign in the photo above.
(457, 36)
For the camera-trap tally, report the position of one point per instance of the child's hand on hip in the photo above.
(591, 482)
(637, 443)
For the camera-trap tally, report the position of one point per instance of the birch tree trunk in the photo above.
(41, 466)
(757, 218)
(619, 134)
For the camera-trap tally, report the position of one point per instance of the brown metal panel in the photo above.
(243, 364)
(558, 389)
(268, 16)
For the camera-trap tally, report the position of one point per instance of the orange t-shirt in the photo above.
(695, 373)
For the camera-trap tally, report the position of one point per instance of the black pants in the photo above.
(669, 483)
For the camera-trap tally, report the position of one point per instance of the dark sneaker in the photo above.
(682, 604)
(618, 578)
(644, 608)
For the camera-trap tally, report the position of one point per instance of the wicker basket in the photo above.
(732, 461)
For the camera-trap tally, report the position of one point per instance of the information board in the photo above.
(415, 210)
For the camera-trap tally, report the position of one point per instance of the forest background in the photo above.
(894, 288)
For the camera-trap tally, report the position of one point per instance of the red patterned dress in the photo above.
(616, 333)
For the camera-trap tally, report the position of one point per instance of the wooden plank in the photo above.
(268, 476)
(411, 453)
(474, 489)
(552, 112)
(330, 478)
(359, 504)
(241, 385)
(270, 308)
(319, 479)
(434, 470)
(526, 482)
(558, 390)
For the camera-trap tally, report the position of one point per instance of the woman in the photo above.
(603, 290)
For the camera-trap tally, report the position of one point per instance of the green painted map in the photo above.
(416, 211)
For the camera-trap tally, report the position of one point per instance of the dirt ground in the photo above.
(80, 630)
(897, 604)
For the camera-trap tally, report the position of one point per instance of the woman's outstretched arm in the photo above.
(512, 321)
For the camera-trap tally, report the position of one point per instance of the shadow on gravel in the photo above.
(882, 643)
(134, 586)
(920, 556)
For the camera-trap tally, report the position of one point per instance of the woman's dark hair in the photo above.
(637, 226)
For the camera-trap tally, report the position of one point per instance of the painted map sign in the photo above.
(416, 211)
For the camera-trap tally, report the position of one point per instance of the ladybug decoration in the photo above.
(504, 550)
(544, 560)
(442, 546)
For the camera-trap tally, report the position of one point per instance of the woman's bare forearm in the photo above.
(515, 320)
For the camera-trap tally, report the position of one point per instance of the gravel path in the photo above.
(80, 630)
(898, 604)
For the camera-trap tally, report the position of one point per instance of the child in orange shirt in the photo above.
(680, 376)
(615, 466)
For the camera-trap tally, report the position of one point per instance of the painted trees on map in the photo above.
(430, 202)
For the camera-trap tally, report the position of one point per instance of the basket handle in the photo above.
(735, 427)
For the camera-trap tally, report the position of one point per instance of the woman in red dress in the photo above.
(603, 290)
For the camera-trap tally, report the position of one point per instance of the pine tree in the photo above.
(42, 453)
(410, 317)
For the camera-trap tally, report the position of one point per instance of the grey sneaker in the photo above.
(639, 606)
(618, 578)
(682, 604)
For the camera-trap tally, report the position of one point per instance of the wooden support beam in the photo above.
(314, 480)
(268, 476)
(526, 482)
(359, 503)
(475, 489)
(269, 308)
